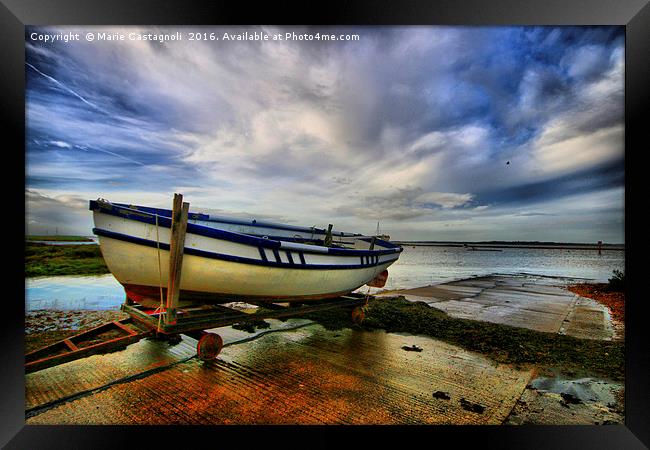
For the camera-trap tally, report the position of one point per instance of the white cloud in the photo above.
(555, 155)
(60, 144)
(445, 199)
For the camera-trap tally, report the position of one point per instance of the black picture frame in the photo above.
(15, 14)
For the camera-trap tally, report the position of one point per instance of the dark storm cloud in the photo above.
(603, 178)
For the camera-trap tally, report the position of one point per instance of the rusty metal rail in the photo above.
(105, 338)
(193, 320)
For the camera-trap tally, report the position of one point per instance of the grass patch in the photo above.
(502, 343)
(53, 260)
(617, 282)
(32, 237)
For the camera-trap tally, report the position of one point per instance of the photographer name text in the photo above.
(189, 36)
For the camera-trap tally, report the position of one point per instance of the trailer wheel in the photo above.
(209, 346)
(358, 315)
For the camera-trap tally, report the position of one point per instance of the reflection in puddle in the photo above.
(585, 389)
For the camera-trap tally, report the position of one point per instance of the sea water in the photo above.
(417, 266)
(427, 265)
(73, 292)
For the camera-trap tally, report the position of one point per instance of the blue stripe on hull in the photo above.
(224, 257)
(262, 254)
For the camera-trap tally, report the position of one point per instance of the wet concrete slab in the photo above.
(536, 302)
(72, 378)
(94, 372)
(307, 375)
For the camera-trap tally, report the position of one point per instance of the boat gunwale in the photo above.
(231, 236)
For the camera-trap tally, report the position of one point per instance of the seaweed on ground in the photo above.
(502, 343)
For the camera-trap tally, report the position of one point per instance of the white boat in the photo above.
(227, 259)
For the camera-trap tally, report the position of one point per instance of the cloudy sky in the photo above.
(439, 133)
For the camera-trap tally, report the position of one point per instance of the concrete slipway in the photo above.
(299, 373)
(528, 301)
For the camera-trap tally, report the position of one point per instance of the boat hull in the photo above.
(136, 267)
(150, 297)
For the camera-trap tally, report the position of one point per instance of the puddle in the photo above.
(308, 375)
(588, 390)
(561, 401)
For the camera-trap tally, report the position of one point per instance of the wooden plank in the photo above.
(148, 320)
(172, 287)
(67, 350)
(70, 345)
(176, 245)
(102, 347)
(47, 351)
(124, 328)
(55, 347)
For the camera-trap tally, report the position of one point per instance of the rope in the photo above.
(367, 297)
(161, 308)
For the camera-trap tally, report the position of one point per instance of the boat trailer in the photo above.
(192, 321)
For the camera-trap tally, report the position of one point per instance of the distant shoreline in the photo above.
(524, 245)
(57, 238)
(468, 244)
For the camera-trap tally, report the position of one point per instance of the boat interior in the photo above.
(279, 232)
